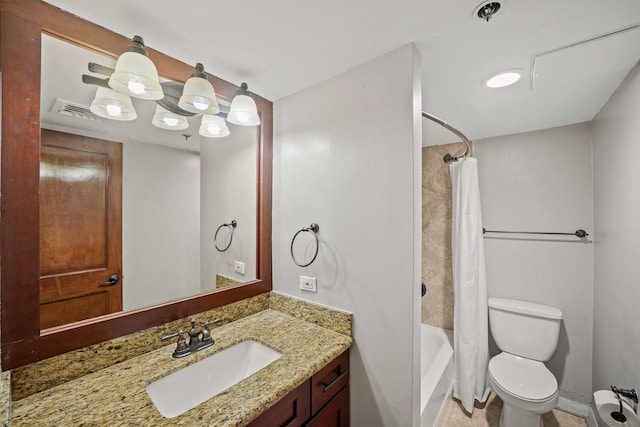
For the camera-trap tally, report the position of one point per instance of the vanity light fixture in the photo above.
(135, 74)
(213, 126)
(165, 119)
(112, 105)
(504, 78)
(243, 110)
(198, 95)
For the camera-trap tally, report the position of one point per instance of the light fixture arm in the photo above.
(100, 69)
(90, 80)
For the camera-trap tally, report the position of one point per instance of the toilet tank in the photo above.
(524, 328)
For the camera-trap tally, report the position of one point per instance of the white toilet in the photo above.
(527, 333)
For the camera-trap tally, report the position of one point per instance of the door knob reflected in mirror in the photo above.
(113, 280)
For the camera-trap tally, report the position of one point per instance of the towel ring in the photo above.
(313, 228)
(232, 225)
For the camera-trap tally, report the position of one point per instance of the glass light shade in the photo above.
(198, 96)
(243, 110)
(213, 126)
(165, 119)
(112, 105)
(504, 78)
(135, 74)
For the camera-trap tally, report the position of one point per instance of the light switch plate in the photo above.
(238, 267)
(308, 284)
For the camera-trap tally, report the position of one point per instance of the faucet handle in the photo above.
(206, 332)
(212, 322)
(168, 337)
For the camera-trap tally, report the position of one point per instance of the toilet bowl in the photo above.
(526, 387)
(527, 333)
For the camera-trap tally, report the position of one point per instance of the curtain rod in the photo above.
(448, 157)
(577, 233)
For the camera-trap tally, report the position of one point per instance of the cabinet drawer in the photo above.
(335, 414)
(329, 381)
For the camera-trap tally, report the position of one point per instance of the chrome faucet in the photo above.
(198, 339)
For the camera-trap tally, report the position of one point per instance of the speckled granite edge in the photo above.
(116, 395)
(334, 320)
(5, 390)
(223, 281)
(48, 373)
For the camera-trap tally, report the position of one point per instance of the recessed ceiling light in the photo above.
(504, 78)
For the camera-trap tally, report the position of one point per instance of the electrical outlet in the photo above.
(308, 284)
(238, 267)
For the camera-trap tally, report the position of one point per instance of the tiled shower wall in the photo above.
(437, 304)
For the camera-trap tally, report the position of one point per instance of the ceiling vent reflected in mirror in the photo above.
(72, 109)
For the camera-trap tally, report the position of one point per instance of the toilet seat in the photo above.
(523, 378)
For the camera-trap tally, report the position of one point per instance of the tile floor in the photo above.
(488, 415)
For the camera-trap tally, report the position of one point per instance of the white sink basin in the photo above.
(197, 383)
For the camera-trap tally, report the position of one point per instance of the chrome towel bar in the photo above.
(578, 233)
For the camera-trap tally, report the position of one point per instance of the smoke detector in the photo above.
(487, 10)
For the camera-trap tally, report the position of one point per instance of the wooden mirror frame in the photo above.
(21, 24)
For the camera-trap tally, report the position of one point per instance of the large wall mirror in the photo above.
(179, 194)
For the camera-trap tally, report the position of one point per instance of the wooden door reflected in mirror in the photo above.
(80, 228)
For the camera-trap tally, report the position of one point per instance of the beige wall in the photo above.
(437, 305)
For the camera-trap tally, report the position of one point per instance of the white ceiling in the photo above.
(283, 46)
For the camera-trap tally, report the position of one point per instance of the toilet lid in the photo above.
(524, 378)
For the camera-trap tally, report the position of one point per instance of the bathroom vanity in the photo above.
(322, 401)
(289, 391)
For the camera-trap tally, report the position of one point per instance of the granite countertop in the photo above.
(116, 395)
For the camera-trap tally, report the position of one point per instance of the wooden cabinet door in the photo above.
(80, 228)
(291, 411)
(335, 414)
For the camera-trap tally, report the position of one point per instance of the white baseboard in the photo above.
(592, 421)
(581, 409)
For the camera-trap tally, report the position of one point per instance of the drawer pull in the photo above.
(334, 382)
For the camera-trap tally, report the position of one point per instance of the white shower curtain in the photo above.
(470, 319)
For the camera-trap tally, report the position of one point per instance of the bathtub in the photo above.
(436, 372)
